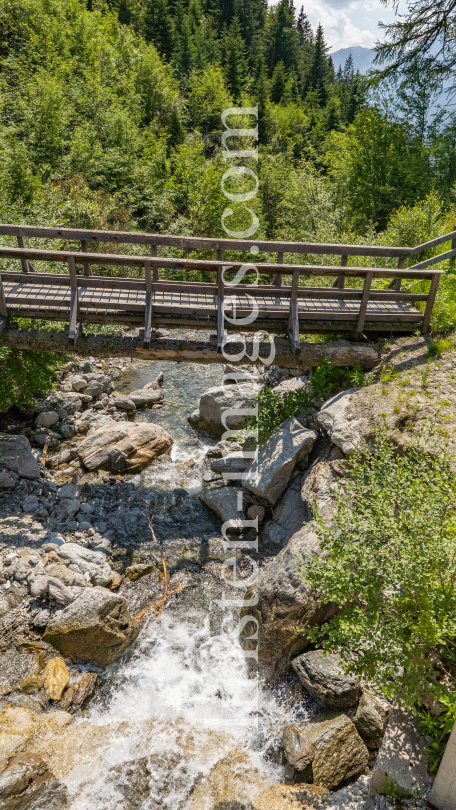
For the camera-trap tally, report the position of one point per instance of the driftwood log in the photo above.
(338, 353)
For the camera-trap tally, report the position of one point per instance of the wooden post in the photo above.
(340, 281)
(148, 309)
(74, 303)
(400, 266)
(293, 318)
(86, 265)
(364, 303)
(430, 304)
(3, 307)
(453, 258)
(155, 273)
(277, 278)
(220, 297)
(27, 267)
(219, 254)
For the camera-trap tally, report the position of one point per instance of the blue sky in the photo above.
(347, 22)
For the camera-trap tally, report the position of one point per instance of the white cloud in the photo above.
(347, 23)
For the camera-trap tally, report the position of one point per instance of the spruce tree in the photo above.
(304, 27)
(158, 26)
(235, 60)
(319, 70)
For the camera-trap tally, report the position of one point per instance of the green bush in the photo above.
(23, 374)
(389, 563)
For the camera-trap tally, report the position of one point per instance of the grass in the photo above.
(438, 346)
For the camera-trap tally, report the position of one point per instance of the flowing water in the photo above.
(178, 724)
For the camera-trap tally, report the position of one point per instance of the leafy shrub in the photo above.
(23, 373)
(437, 347)
(389, 562)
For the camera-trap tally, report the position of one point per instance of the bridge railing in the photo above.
(220, 289)
(189, 244)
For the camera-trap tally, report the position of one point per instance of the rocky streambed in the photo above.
(124, 682)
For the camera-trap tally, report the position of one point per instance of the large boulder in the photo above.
(319, 489)
(281, 600)
(224, 501)
(371, 718)
(224, 407)
(146, 396)
(323, 677)
(26, 783)
(340, 753)
(289, 516)
(270, 473)
(124, 446)
(88, 562)
(95, 627)
(16, 455)
(345, 425)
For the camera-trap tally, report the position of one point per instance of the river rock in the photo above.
(319, 489)
(270, 473)
(146, 396)
(371, 718)
(56, 677)
(95, 627)
(286, 601)
(323, 677)
(295, 384)
(16, 455)
(289, 517)
(69, 491)
(78, 383)
(289, 797)
(47, 419)
(91, 562)
(298, 751)
(340, 753)
(68, 507)
(232, 463)
(123, 402)
(79, 692)
(224, 407)
(344, 428)
(26, 783)
(224, 501)
(124, 446)
(6, 480)
(60, 592)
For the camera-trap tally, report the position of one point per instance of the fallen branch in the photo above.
(159, 603)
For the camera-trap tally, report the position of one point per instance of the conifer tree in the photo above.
(304, 27)
(234, 59)
(319, 70)
(158, 26)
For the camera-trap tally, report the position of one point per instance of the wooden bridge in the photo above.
(81, 290)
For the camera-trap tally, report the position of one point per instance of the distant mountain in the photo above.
(362, 57)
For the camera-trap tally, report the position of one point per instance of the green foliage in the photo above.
(438, 728)
(389, 563)
(23, 374)
(438, 346)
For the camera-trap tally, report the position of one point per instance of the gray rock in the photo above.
(78, 383)
(39, 586)
(41, 618)
(95, 627)
(371, 718)
(146, 396)
(60, 592)
(56, 538)
(16, 455)
(232, 463)
(319, 488)
(6, 480)
(67, 431)
(289, 517)
(344, 430)
(340, 753)
(87, 508)
(224, 501)
(323, 677)
(94, 389)
(295, 384)
(47, 419)
(224, 407)
(270, 473)
(281, 600)
(298, 751)
(68, 507)
(90, 562)
(31, 504)
(403, 756)
(123, 402)
(137, 444)
(69, 491)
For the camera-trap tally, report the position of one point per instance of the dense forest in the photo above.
(110, 117)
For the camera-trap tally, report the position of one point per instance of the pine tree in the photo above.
(349, 70)
(235, 60)
(158, 26)
(278, 84)
(304, 27)
(319, 71)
